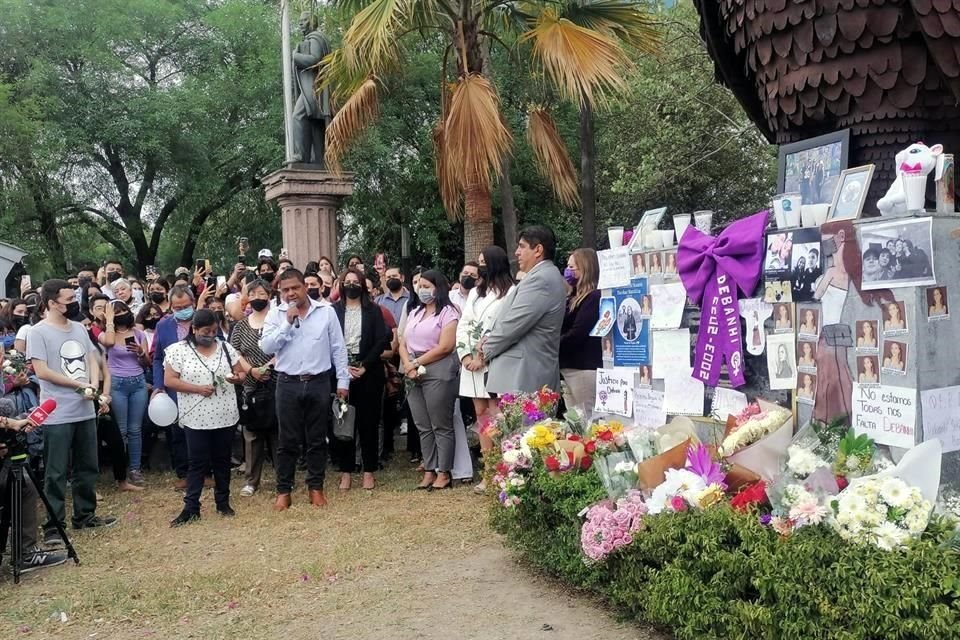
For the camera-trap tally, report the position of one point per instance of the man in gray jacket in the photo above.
(524, 343)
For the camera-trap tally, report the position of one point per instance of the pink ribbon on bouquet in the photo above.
(715, 271)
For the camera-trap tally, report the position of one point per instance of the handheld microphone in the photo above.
(296, 322)
(39, 415)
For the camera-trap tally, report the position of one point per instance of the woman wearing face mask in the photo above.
(127, 357)
(139, 296)
(428, 359)
(367, 337)
(201, 368)
(123, 292)
(258, 408)
(158, 292)
(581, 355)
(17, 317)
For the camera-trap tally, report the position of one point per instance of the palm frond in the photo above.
(371, 40)
(475, 137)
(450, 193)
(343, 79)
(585, 65)
(552, 157)
(358, 112)
(628, 20)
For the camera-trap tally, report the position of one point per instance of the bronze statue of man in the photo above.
(312, 110)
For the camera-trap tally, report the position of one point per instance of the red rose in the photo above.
(551, 463)
(503, 468)
(590, 447)
(573, 437)
(606, 436)
(586, 462)
(842, 482)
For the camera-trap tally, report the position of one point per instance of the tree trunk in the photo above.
(477, 221)
(509, 212)
(588, 170)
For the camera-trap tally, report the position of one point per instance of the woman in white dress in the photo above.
(479, 313)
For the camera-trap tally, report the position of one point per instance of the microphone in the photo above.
(39, 415)
(296, 322)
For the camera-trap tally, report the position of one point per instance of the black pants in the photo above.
(303, 415)
(413, 436)
(366, 396)
(391, 419)
(109, 433)
(208, 448)
(177, 440)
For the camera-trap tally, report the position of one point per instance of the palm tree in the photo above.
(578, 45)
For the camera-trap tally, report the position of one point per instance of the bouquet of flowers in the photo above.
(511, 472)
(607, 434)
(699, 484)
(854, 455)
(799, 507)
(618, 473)
(882, 511)
(15, 363)
(523, 410)
(801, 462)
(609, 526)
(758, 438)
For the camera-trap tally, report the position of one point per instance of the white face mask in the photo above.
(138, 295)
(426, 295)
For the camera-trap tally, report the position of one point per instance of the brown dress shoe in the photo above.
(282, 503)
(181, 483)
(317, 499)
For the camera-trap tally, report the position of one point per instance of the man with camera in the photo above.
(32, 556)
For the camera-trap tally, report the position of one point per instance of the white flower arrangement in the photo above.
(802, 462)
(884, 512)
(752, 430)
(678, 482)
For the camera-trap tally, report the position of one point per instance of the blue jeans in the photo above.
(129, 405)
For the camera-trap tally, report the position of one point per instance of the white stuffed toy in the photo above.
(917, 159)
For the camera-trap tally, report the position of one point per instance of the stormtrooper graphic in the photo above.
(73, 361)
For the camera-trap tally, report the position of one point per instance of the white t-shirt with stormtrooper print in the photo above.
(65, 351)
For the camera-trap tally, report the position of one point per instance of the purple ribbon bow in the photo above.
(715, 270)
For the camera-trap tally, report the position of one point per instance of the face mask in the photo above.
(267, 275)
(468, 282)
(150, 323)
(426, 295)
(157, 297)
(219, 316)
(326, 292)
(138, 295)
(483, 271)
(352, 291)
(205, 341)
(259, 304)
(570, 276)
(19, 321)
(72, 310)
(123, 320)
(394, 284)
(184, 315)
(113, 276)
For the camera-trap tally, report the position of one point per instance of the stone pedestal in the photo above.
(309, 198)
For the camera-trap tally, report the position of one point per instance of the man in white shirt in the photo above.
(468, 280)
(306, 338)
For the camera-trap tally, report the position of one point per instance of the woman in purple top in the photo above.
(429, 362)
(127, 356)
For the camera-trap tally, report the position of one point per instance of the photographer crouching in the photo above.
(33, 557)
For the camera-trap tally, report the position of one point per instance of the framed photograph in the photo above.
(807, 355)
(783, 317)
(894, 319)
(937, 306)
(781, 361)
(792, 264)
(895, 357)
(868, 370)
(851, 193)
(867, 341)
(648, 221)
(897, 254)
(812, 167)
(806, 387)
(808, 321)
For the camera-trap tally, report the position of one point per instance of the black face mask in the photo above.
(267, 275)
(259, 304)
(314, 293)
(219, 316)
(352, 291)
(483, 272)
(394, 284)
(113, 276)
(19, 321)
(123, 320)
(326, 292)
(157, 297)
(72, 310)
(150, 323)
(468, 282)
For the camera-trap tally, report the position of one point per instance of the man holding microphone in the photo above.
(305, 336)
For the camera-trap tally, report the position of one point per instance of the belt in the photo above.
(307, 377)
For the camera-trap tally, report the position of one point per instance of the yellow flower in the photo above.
(540, 436)
(710, 496)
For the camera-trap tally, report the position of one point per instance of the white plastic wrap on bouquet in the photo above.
(919, 467)
(766, 456)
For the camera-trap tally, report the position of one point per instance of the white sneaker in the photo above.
(248, 490)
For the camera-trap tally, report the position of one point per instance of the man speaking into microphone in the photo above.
(305, 336)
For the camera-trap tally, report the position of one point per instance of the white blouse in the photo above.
(196, 412)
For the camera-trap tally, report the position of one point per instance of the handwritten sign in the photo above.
(886, 414)
(726, 403)
(668, 302)
(941, 416)
(614, 268)
(683, 394)
(671, 352)
(615, 390)
(648, 409)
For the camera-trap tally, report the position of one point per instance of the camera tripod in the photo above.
(19, 466)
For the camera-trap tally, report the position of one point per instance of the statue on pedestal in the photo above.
(312, 112)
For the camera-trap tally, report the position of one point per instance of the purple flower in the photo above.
(700, 463)
(765, 519)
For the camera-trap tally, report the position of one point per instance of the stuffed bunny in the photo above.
(918, 157)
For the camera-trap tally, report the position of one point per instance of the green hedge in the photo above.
(720, 574)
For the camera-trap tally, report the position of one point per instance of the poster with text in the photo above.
(886, 414)
(615, 266)
(631, 347)
(615, 389)
(941, 416)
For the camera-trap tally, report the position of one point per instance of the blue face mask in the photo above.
(8, 342)
(184, 315)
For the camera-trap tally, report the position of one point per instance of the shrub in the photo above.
(719, 574)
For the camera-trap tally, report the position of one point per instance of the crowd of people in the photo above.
(302, 364)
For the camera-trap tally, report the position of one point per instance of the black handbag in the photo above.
(344, 420)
